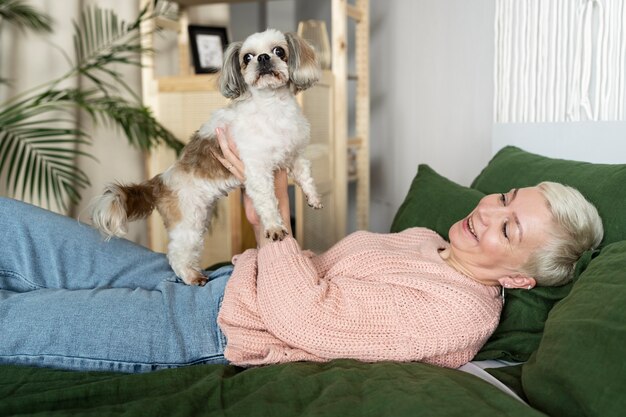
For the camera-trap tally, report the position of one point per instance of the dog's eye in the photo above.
(279, 52)
(247, 58)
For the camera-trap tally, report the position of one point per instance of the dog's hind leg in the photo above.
(186, 229)
(301, 172)
(185, 250)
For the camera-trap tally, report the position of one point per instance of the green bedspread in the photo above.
(340, 388)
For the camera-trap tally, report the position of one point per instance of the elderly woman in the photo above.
(68, 299)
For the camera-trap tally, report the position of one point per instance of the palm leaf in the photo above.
(102, 39)
(39, 148)
(29, 160)
(137, 122)
(23, 16)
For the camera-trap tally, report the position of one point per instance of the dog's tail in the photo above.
(119, 204)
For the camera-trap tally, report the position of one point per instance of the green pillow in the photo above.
(523, 318)
(434, 202)
(579, 368)
(437, 203)
(603, 184)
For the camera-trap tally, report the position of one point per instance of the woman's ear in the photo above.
(304, 70)
(231, 81)
(518, 281)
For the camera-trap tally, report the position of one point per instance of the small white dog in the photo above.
(261, 75)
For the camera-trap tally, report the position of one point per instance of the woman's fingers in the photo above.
(230, 167)
(231, 159)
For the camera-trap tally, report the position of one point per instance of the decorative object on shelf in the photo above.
(353, 154)
(207, 47)
(314, 31)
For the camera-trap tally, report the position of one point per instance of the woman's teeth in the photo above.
(470, 224)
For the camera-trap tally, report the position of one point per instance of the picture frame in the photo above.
(207, 45)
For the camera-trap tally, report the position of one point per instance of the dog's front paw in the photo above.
(276, 233)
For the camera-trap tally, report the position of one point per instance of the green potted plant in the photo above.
(38, 149)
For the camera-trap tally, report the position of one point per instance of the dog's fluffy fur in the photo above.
(261, 75)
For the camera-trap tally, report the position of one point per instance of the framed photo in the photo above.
(207, 47)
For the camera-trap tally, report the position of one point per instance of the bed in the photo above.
(556, 352)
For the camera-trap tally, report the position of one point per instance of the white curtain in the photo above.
(560, 60)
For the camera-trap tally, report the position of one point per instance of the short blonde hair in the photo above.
(578, 228)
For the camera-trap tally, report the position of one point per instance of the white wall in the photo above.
(431, 94)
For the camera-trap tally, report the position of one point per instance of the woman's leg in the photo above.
(69, 299)
(114, 329)
(41, 249)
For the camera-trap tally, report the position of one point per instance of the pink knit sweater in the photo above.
(371, 297)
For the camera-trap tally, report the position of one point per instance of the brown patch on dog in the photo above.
(139, 200)
(167, 203)
(198, 158)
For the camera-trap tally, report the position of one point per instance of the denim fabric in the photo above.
(69, 299)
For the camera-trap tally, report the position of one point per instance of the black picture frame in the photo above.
(207, 47)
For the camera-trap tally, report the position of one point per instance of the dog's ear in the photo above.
(304, 70)
(231, 81)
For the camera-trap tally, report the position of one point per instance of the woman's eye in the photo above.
(506, 223)
(279, 52)
(247, 58)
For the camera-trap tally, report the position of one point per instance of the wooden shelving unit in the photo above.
(185, 101)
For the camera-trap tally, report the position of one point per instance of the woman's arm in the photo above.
(232, 162)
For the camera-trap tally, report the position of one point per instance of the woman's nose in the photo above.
(490, 208)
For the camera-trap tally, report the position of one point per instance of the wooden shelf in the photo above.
(187, 3)
(355, 12)
(355, 142)
(181, 83)
(208, 82)
(168, 24)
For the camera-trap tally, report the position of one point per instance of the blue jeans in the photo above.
(69, 299)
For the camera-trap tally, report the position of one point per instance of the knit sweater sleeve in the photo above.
(344, 317)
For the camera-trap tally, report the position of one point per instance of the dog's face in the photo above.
(271, 60)
(263, 60)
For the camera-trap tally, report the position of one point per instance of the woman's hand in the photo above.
(231, 159)
(232, 162)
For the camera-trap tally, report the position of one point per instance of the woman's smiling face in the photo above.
(497, 238)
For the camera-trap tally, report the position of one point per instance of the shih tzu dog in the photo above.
(261, 75)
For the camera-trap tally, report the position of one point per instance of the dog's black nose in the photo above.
(263, 58)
